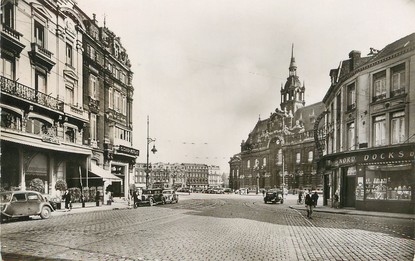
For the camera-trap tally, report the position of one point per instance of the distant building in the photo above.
(280, 151)
(214, 177)
(368, 145)
(176, 175)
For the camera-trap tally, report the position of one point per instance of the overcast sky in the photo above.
(204, 70)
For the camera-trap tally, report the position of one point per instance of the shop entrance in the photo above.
(349, 188)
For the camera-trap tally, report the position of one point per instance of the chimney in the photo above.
(94, 18)
(354, 57)
(333, 76)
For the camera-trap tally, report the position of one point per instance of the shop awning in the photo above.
(105, 174)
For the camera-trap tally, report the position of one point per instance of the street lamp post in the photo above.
(257, 183)
(154, 150)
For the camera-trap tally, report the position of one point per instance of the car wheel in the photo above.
(45, 213)
(151, 202)
(282, 201)
(163, 201)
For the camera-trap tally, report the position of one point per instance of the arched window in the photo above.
(11, 119)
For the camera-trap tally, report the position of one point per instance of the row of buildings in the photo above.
(358, 142)
(66, 99)
(179, 175)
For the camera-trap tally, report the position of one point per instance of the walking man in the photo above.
(309, 205)
(314, 197)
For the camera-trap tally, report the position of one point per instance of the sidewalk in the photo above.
(91, 206)
(352, 211)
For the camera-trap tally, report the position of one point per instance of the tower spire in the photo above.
(293, 66)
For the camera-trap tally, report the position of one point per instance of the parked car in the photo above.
(22, 204)
(170, 196)
(151, 197)
(227, 190)
(274, 196)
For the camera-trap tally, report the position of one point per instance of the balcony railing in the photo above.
(10, 31)
(379, 97)
(22, 91)
(397, 92)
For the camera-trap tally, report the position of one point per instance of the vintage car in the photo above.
(170, 196)
(22, 204)
(274, 196)
(151, 197)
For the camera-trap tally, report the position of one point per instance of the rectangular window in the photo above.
(39, 34)
(124, 105)
(9, 15)
(110, 98)
(298, 158)
(379, 86)
(351, 136)
(398, 127)
(8, 68)
(398, 80)
(310, 156)
(351, 97)
(40, 82)
(94, 127)
(70, 135)
(379, 131)
(69, 57)
(93, 86)
(69, 95)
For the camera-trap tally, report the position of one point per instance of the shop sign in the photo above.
(128, 150)
(388, 155)
(342, 161)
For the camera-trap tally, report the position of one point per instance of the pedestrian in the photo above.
(336, 201)
(300, 197)
(68, 203)
(314, 197)
(309, 205)
(97, 198)
(135, 198)
(263, 192)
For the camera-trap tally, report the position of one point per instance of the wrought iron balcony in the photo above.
(22, 91)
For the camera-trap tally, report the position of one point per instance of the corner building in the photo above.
(42, 114)
(369, 144)
(280, 151)
(59, 118)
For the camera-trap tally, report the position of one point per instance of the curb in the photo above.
(361, 213)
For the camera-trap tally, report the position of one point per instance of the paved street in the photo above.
(209, 227)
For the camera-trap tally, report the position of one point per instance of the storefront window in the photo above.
(359, 189)
(388, 182)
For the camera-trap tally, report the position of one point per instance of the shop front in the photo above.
(381, 179)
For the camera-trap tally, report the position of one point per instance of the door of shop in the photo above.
(350, 187)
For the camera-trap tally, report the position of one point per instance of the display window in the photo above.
(388, 182)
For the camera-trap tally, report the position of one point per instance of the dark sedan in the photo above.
(151, 197)
(274, 196)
